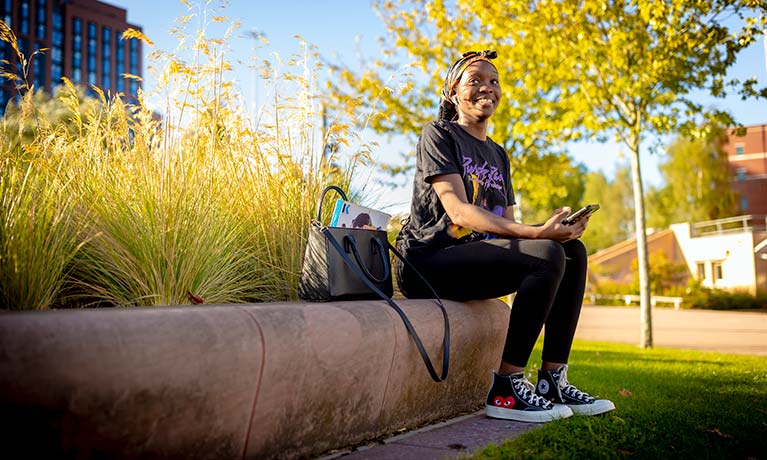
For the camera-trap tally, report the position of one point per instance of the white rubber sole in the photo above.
(600, 406)
(538, 416)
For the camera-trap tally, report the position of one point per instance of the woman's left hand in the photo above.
(579, 227)
(554, 229)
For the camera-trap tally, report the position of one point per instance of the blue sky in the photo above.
(343, 29)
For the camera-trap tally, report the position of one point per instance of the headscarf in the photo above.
(447, 109)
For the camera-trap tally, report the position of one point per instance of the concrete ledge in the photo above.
(277, 380)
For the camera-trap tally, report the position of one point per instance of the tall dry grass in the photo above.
(118, 206)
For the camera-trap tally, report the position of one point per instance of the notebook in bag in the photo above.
(353, 215)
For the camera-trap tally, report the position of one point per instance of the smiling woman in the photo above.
(462, 236)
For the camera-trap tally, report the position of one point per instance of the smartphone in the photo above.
(579, 214)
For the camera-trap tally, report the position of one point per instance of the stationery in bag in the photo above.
(347, 263)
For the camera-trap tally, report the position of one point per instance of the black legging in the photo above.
(549, 278)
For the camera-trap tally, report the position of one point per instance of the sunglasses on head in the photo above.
(490, 54)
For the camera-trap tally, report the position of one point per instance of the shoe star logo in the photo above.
(543, 387)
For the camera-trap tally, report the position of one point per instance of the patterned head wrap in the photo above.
(446, 107)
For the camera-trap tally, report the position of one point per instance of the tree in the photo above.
(626, 68)
(399, 93)
(696, 180)
(545, 182)
(614, 221)
(630, 67)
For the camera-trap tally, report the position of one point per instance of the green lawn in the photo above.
(670, 404)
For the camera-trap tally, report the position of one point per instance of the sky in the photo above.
(343, 30)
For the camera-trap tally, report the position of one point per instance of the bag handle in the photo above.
(402, 315)
(350, 244)
(322, 198)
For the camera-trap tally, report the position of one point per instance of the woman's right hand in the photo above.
(554, 229)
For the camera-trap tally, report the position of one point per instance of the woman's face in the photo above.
(478, 92)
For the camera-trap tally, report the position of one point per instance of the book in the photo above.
(352, 215)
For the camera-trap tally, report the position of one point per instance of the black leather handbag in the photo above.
(325, 276)
(343, 263)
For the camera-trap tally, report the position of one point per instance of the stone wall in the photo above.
(261, 381)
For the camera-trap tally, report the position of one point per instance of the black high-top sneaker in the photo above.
(512, 397)
(553, 385)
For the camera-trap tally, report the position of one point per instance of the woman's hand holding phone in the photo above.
(585, 211)
(555, 229)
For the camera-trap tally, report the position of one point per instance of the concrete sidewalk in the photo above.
(720, 331)
(446, 440)
(736, 332)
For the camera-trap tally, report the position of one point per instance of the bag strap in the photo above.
(402, 315)
(322, 198)
(350, 244)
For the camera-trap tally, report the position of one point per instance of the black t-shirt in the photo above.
(445, 148)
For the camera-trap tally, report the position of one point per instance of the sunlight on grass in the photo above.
(670, 404)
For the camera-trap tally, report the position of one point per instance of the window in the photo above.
(6, 8)
(743, 204)
(701, 268)
(119, 62)
(133, 56)
(39, 68)
(133, 89)
(92, 29)
(741, 174)
(42, 30)
(133, 65)
(4, 98)
(57, 49)
(739, 149)
(106, 58)
(77, 47)
(22, 44)
(24, 17)
(716, 270)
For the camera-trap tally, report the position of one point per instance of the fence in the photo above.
(628, 299)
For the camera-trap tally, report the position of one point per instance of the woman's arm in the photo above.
(452, 195)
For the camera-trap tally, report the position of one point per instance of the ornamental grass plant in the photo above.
(125, 205)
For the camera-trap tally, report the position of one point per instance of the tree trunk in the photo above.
(645, 334)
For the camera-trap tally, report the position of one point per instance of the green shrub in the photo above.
(718, 299)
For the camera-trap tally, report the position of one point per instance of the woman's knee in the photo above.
(576, 254)
(548, 251)
(575, 249)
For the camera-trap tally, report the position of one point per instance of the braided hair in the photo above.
(447, 110)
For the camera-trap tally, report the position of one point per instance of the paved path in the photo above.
(446, 440)
(721, 331)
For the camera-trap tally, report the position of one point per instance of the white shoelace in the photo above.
(571, 390)
(527, 392)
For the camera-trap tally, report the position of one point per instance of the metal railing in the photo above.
(629, 299)
(747, 223)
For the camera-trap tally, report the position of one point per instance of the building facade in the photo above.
(747, 156)
(728, 254)
(83, 41)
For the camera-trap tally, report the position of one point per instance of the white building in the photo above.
(724, 254)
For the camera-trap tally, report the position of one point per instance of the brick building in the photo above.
(83, 41)
(747, 157)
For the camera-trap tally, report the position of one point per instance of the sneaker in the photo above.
(512, 397)
(553, 385)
